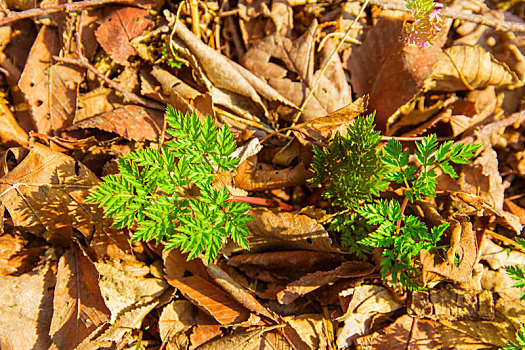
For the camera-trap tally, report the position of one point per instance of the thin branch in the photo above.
(73, 6)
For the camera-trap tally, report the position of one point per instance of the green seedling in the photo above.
(426, 25)
(355, 171)
(171, 195)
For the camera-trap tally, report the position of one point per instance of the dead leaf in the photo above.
(293, 76)
(120, 24)
(452, 304)
(26, 307)
(45, 194)
(255, 176)
(313, 281)
(174, 319)
(131, 122)
(311, 328)
(50, 88)
(320, 131)
(287, 231)
(464, 67)
(415, 333)
(78, 305)
(367, 302)
(498, 257)
(386, 70)
(129, 299)
(11, 134)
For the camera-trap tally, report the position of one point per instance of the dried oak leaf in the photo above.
(45, 195)
(50, 89)
(464, 67)
(118, 27)
(131, 122)
(389, 72)
(288, 66)
(79, 308)
(26, 307)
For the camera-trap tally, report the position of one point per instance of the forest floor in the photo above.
(86, 83)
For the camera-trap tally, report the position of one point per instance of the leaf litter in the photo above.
(70, 84)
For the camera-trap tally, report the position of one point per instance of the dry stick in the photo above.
(326, 64)
(74, 6)
(450, 13)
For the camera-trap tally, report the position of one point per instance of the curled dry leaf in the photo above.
(50, 89)
(11, 134)
(287, 231)
(464, 67)
(118, 27)
(368, 302)
(131, 122)
(391, 73)
(297, 58)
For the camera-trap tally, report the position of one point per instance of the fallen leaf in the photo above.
(415, 333)
(50, 88)
(311, 328)
(498, 257)
(315, 280)
(176, 317)
(386, 70)
(464, 67)
(284, 230)
(131, 122)
(120, 24)
(367, 302)
(294, 76)
(26, 307)
(11, 134)
(45, 194)
(210, 299)
(78, 305)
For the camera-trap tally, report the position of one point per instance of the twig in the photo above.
(498, 24)
(73, 6)
(262, 201)
(326, 64)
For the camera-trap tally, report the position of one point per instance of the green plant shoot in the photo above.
(169, 195)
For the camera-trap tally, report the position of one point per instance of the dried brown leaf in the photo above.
(210, 299)
(11, 134)
(118, 27)
(287, 231)
(464, 67)
(45, 194)
(78, 305)
(313, 281)
(26, 307)
(386, 70)
(295, 77)
(175, 318)
(50, 88)
(131, 122)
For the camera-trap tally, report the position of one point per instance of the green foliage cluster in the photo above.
(516, 272)
(520, 338)
(427, 23)
(354, 171)
(153, 192)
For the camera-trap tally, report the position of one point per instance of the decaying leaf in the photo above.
(175, 318)
(287, 231)
(10, 132)
(131, 122)
(464, 67)
(45, 194)
(295, 78)
(119, 26)
(78, 305)
(313, 281)
(50, 88)
(386, 70)
(26, 307)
